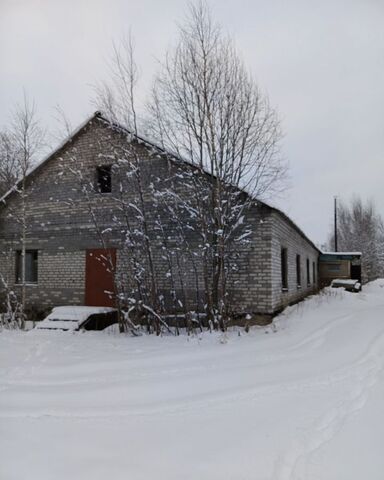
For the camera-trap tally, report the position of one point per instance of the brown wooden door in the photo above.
(99, 270)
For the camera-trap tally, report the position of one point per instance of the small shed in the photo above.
(340, 265)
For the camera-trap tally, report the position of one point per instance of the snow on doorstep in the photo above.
(70, 317)
(301, 399)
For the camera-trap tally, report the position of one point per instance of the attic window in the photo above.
(104, 178)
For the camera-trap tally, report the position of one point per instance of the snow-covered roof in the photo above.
(344, 281)
(355, 254)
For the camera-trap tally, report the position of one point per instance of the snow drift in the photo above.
(300, 399)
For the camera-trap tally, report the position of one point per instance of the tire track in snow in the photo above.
(317, 337)
(366, 372)
(26, 367)
(356, 371)
(216, 398)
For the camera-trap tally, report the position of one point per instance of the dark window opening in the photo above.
(284, 268)
(308, 273)
(30, 266)
(104, 179)
(314, 272)
(298, 271)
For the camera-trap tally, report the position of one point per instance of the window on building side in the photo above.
(298, 271)
(308, 273)
(284, 268)
(314, 272)
(30, 266)
(104, 178)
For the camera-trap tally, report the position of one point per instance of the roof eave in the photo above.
(42, 162)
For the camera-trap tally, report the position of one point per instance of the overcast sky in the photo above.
(321, 63)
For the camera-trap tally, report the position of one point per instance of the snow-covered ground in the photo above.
(302, 399)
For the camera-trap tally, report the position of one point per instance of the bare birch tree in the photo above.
(360, 229)
(24, 139)
(116, 99)
(9, 162)
(208, 110)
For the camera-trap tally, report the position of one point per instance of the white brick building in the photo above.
(279, 266)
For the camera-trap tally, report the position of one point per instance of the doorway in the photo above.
(100, 267)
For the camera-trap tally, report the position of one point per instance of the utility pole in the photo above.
(335, 213)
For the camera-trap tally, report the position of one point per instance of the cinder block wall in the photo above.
(252, 282)
(284, 235)
(59, 223)
(60, 227)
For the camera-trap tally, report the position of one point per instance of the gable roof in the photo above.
(45, 159)
(149, 144)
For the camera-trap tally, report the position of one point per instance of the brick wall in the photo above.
(284, 235)
(61, 228)
(251, 285)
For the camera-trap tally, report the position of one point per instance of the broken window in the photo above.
(104, 178)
